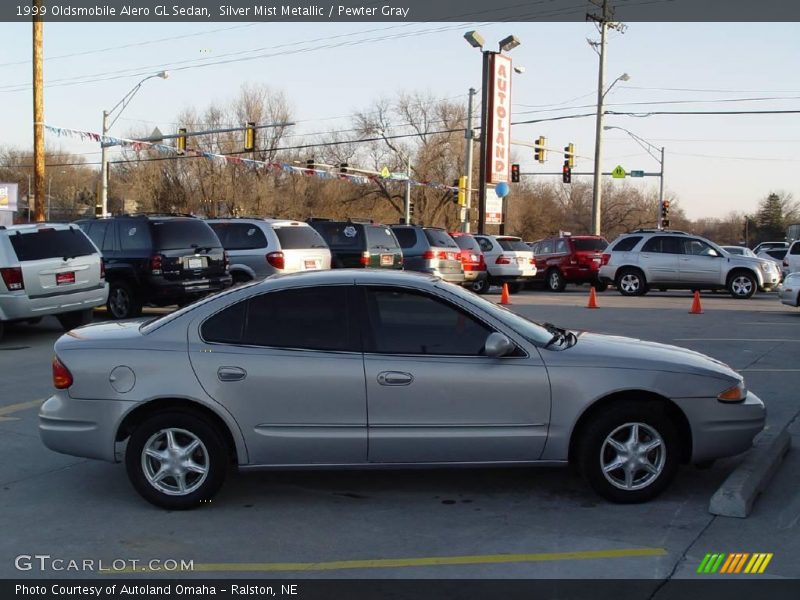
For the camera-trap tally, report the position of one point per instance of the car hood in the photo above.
(610, 351)
(754, 262)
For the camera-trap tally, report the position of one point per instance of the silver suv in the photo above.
(647, 258)
(258, 248)
(49, 269)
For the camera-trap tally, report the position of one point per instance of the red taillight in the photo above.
(62, 378)
(429, 255)
(605, 259)
(102, 269)
(502, 260)
(364, 260)
(483, 263)
(12, 277)
(532, 260)
(156, 264)
(276, 260)
(226, 261)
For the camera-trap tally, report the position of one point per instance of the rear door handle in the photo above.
(231, 374)
(395, 378)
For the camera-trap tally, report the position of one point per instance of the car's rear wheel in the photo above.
(631, 282)
(514, 288)
(600, 286)
(629, 452)
(74, 319)
(480, 286)
(742, 285)
(176, 460)
(122, 302)
(556, 281)
(239, 278)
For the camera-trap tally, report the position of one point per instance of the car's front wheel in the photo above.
(630, 452)
(176, 460)
(480, 286)
(631, 282)
(556, 281)
(742, 285)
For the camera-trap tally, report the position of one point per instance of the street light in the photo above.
(106, 126)
(597, 188)
(476, 40)
(654, 151)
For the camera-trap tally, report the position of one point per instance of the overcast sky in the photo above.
(714, 164)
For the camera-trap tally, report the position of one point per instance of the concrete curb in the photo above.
(737, 494)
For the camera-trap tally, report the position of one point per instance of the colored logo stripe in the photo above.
(711, 563)
(735, 562)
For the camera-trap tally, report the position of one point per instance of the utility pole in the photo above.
(469, 134)
(407, 206)
(485, 101)
(38, 115)
(661, 181)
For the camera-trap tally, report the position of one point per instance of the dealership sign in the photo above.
(8, 196)
(494, 207)
(498, 134)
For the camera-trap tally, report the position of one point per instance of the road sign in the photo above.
(618, 172)
(385, 172)
(637, 173)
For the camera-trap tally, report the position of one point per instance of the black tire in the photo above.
(593, 450)
(239, 278)
(514, 288)
(74, 319)
(480, 286)
(123, 303)
(742, 285)
(555, 280)
(631, 282)
(600, 286)
(34, 321)
(212, 453)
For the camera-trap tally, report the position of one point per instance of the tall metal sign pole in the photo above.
(469, 134)
(597, 183)
(38, 116)
(485, 101)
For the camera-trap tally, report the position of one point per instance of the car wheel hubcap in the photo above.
(632, 457)
(175, 462)
(554, 280)
(629, 283)
(119, 302)
(742, 286)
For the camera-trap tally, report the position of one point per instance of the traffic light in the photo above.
(310, 166)
(343, 168)
(566, 173)
(180, 141)
(454, 194)
(569, 155)
(514, 173)
(250, 137)
(539, 150)
(664, 214)
(462, 190)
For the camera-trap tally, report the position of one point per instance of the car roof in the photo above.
(32, 227)
(343, 276)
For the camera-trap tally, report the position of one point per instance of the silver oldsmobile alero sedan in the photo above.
(379, 369)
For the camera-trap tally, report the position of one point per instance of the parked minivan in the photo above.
(430, 250)
(355, 244)
(258, 248)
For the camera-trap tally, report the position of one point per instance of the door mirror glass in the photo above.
(498, 345)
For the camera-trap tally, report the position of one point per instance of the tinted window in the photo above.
(309, 318)
(467, 242)
(239, 236)
(406, 236)
(292, 238)
(795, 249)
(97, 232)
(662, 244)
(589, 244)
(341, 236)
(381, 238)
(184, 233)
(486, 245)
(626, 244)
(51, 243)
(778, 254)
(514, 245)
(227, 326)
(405, 322)
(134, 235)
(440, 238)
(561, 246)
(546, 247)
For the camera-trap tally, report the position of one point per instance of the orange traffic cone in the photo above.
(504, 296)
(592, 298)
(696, 308)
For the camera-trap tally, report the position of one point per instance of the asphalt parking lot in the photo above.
(469, 523)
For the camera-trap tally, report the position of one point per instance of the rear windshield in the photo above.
(341, 236)
(440, 238)
(381, 238)
(584, 244)
(515, 245)
(239, 236)
(294, 237)
(467, 242)
(51, 243)
(779, 254)
(184, 233)
(407, 236)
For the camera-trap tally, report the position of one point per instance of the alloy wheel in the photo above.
(741, 285)
(175, 461)
(633, 456)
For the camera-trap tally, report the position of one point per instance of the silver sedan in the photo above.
(381, 369)
(789, 292)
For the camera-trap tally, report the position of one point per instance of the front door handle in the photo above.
(231, 374)
(395, 378)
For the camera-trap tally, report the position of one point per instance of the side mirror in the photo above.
(498, 345)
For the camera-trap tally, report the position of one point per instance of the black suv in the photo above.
(356, 244)
(157, 260)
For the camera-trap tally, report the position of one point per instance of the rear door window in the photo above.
(51, 243)
(440, 238)
(467, 242)
(299, 237)
(134, 236)
(561, 246)
(663, 245)
(485, 244)
(176, 234)
(239, 236)
(545, 247)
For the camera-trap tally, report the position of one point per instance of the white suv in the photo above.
(791, 261)
(647, 258)
(508, 260)
(49, 269)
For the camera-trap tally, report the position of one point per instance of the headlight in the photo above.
(767, 267)
(736, 393)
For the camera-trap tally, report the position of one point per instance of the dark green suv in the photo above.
(359, 245)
